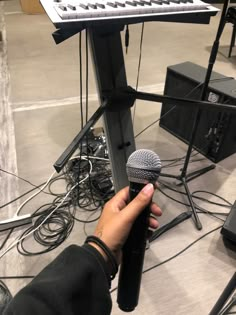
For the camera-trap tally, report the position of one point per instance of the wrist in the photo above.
(99, 249)
(106, 253)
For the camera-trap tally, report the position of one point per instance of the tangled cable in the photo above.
(52, 233)
(88, 186)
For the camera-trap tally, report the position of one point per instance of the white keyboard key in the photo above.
(110, 11)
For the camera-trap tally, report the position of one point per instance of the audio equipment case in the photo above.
(216, 132)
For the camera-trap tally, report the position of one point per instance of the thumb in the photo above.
(137, 205)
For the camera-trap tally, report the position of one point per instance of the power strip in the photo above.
(16, 221)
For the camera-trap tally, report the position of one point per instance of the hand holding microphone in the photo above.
(120, 213)
(118, 216)
(143, 167)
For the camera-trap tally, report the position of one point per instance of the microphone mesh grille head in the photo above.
(143, 166)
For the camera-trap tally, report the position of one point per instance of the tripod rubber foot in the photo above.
(199, 225)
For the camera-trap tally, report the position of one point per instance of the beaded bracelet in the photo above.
(107, 251)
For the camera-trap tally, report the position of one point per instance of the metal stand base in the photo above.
(183, 181)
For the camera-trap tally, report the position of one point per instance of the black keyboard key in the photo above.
(100, 5)
(120, 4)
(146, 2)
(84, 6)
(131, 3)
(72, 7)
(138, 2)
(112, 4)
(156, 2)
(92, 6)
(63, 8)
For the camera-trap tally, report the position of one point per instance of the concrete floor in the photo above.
(39, 116)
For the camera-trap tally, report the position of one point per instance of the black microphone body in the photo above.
(133, 257)
(143, 167)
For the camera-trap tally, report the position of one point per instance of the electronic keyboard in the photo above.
(68, 13)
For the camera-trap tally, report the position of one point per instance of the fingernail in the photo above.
(148, 189)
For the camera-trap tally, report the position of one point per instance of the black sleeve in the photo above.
(76, 282)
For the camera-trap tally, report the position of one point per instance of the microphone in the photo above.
(143, 166)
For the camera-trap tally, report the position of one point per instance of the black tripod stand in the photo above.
(184, 177)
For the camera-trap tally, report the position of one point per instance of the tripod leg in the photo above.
(201, 171)
(212, 59)
(195, 174)
(195, 216)
(231, 286)
(232, 42)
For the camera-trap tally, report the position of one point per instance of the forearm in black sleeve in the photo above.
(76, 282)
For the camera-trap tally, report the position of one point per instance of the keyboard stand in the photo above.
(109, 67)
(108, 61)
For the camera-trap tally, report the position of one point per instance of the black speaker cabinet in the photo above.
(216, 133)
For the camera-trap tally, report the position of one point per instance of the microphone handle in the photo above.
(133, 257)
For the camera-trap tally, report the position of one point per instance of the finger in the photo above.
(153, 223)
(156, 185)
(155, 209)
(120, 200)
(135, 207)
